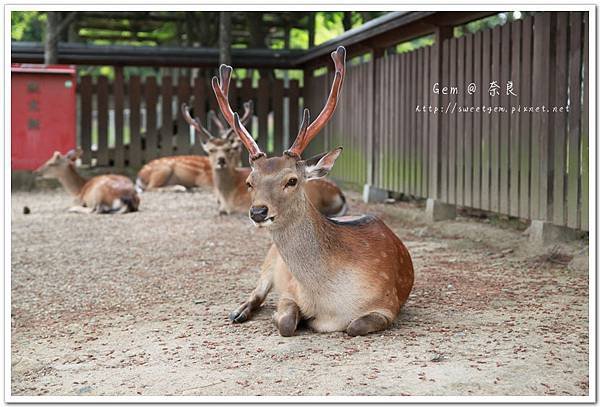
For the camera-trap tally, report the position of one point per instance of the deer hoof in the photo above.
(240, 315)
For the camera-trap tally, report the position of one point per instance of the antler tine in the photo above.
(248, 110)
(304, 138)
(221, 89)
(212, 116)
(193, 122)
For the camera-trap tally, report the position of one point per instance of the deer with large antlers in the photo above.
(230, 180)
(179, 173)
(100, 194)
(345, 274)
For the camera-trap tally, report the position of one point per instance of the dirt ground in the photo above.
(137, 304)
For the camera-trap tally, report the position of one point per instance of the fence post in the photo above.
(436, 210)
(441, 33)
(370, 193)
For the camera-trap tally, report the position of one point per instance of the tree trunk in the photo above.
(311, 29)
(225, 38)
(51, 40)
(347, 21)
(258, 37)
(55, 25)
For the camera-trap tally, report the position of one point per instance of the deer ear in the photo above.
(73, 155)
(324, 164)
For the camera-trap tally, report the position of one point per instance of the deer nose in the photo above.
(258, 213)
(221, 161)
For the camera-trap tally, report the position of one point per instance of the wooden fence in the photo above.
(128, 124)
(484, 147)
(475, 142)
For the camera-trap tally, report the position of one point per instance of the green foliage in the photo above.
(488, 23)
(27, 25)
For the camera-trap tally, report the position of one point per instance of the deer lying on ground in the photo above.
(344, 274)
(230, 180)
(178, 173)
(100, 194)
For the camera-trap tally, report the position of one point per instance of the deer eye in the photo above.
(291, 182)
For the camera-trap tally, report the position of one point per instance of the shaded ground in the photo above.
(138, 304)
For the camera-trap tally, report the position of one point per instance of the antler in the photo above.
(308, 132)
(193, 121)
(221, 88)
(212, 116)
(248, 110)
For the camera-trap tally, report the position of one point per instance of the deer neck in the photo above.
(303, 244)
(72, 181)
(226, 180)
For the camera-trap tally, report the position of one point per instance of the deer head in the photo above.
(58, 164)
(224, 149)
(277, 183)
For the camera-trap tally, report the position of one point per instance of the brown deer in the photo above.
(178, 173)
(230, 180)
(345, 274)
(100, 194)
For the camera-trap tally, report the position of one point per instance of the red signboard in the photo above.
(43, 113)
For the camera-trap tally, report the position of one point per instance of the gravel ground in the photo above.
(137, 304)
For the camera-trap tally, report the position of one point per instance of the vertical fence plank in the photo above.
(505, 65)
(468, 133)
(425, 99)
(119, 151)
(525, 99)
(200, 93)
(585, 129)
(453, 126)
(445, 128)
(403, 110)
(277, 98)
(486, 123)
(560, 122)
(515, 121)
(540, 126)
(392, 132)
(86, 118)
(294, 111)
(183, 129)
(477, 79)
(495, 123)
(460, 122)
(151, 96)
(263, 114)
(102, 120)
(574, 120)
(135, 143)
(419, 125)
(166, 128)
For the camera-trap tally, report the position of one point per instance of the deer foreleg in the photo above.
(265, 283)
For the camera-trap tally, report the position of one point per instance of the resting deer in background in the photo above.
(178, 173)
(230, 180)
(344, 274)
(100, 194)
